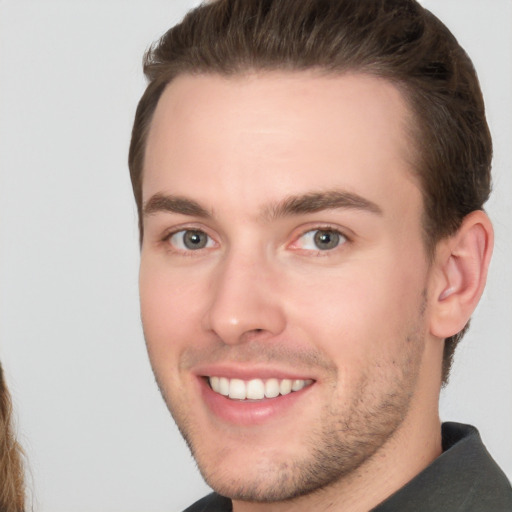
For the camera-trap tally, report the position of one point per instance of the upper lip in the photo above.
(246, 372)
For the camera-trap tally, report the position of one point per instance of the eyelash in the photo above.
(343, 239)
(184, 251)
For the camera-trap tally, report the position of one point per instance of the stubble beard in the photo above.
(344, 441)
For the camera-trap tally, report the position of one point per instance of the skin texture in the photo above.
(229, 157)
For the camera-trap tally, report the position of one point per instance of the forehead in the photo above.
(278, 133)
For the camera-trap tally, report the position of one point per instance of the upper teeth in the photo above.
(256, 389)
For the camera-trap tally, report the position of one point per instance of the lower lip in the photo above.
(246, 412)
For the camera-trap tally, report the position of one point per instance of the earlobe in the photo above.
(462, 262)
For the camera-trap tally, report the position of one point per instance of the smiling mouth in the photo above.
(256, 389)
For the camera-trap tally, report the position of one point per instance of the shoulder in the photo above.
(211, 503)
(464, 478)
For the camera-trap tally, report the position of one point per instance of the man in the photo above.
(310, 178)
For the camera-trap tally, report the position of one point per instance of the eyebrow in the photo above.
(318, 201)
(292, 205)
(174, 204)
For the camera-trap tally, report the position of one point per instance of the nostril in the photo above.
(252, 334)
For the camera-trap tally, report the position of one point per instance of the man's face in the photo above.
(283, 265)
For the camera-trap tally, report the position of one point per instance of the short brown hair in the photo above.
(397, 40)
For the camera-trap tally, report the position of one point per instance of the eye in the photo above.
(320, 240)
(190, 240)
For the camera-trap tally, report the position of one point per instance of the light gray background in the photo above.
(97, 434)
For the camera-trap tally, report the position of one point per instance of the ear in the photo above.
(459, 278)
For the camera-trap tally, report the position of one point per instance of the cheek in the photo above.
(357, 313)
(170, 309)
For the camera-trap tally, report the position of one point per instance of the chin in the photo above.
(246, 471)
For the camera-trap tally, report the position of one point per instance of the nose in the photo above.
(244, 301)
